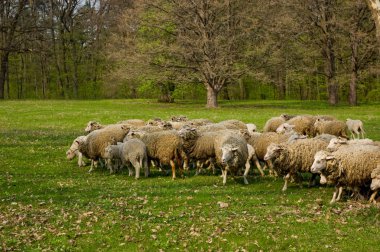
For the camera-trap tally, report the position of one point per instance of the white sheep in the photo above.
(347, 167)
(73, 151)
(132, 151)
(355, 127)
(339, 142)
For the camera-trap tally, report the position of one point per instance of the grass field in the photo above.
(48, 203)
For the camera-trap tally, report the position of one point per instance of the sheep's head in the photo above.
(228, 153)
(320, 161)
(286, 117)
(285, 127)
(134, 134)
(165, 125)
(179, 118)
(70, 154)
(251, 128)
(187, 132)
(375, 176)
(92, 125)
(273, 151)
(335, 143)
(154, 122)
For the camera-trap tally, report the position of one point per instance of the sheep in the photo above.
(163, 146)
(347, 167)
(291, 159)
(302, 124)
(198, 145)
(260, 142)
(132, 151)
(93, 125)
(180, 118)
(154, 122)
(93, 147)
(231, 153)
(273, 123)
(355, 127)
(337, 128)
(199, 122)
(73, 151)
(336, 143)
(375, 183)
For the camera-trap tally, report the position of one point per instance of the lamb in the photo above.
(231, 153)
(163, 146)
(273, 123)
(336, 143)
(337, 128)
(375, 183)
(291, 159)
(347, 167)
(132, 151)
(73, 151)
(93, 147)
(355, 127)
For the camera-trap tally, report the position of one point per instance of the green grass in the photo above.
(48, 203)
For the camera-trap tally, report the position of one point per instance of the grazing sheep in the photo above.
(291, 159)
(231, 153)
(273, 123)
(163, 146)
(93, 147)
(355, 127)
(132, 151)
(73, 151)
(375, 183)
(347, 167)
(336, 143)
(337, 128)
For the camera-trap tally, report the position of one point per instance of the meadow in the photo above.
(48, 203)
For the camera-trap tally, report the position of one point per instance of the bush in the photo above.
(373, 95)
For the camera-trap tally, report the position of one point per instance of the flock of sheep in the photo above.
(288, 146)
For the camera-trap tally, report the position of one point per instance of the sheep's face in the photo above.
(91, 126)
(375, 184)
(165, 125)
(187, 132)
(285, 127)
(228, 154)
(70, 154)
(134, 134)
(273, 151)
(251, 128)
(320, 162)
(335, 143)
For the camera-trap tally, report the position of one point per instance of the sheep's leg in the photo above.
(80, 160)
(265, 166)
(340, 190)
(198, 167)
(257, 163)
(109, 165)
(247, 167)
(224, 174)
(92, 166)
(172, 164)
(372, 198)
(313, 180)
(137, 169)
(286, 178)
(333, 200)
(272, 172)
(146, 167)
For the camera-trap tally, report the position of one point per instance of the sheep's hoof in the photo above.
(246, 181)
(284, 189)
(332, 202)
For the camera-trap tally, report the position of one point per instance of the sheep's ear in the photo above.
(193, 129)
(234, 148)
(329, 157)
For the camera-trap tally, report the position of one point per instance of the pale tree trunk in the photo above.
(212, 97)
(352, 99)
(374, 6)
(352, 94)
(330, 72)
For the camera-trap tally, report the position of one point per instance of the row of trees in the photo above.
(302, 49)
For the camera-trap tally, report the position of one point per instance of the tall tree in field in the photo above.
(360, 41)
(201, 39)
(10, 16)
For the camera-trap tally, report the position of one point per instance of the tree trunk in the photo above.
(212, 97)
(374, 6)
(281, 87)
(332, 87)
(3, 73)
(352, 95)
